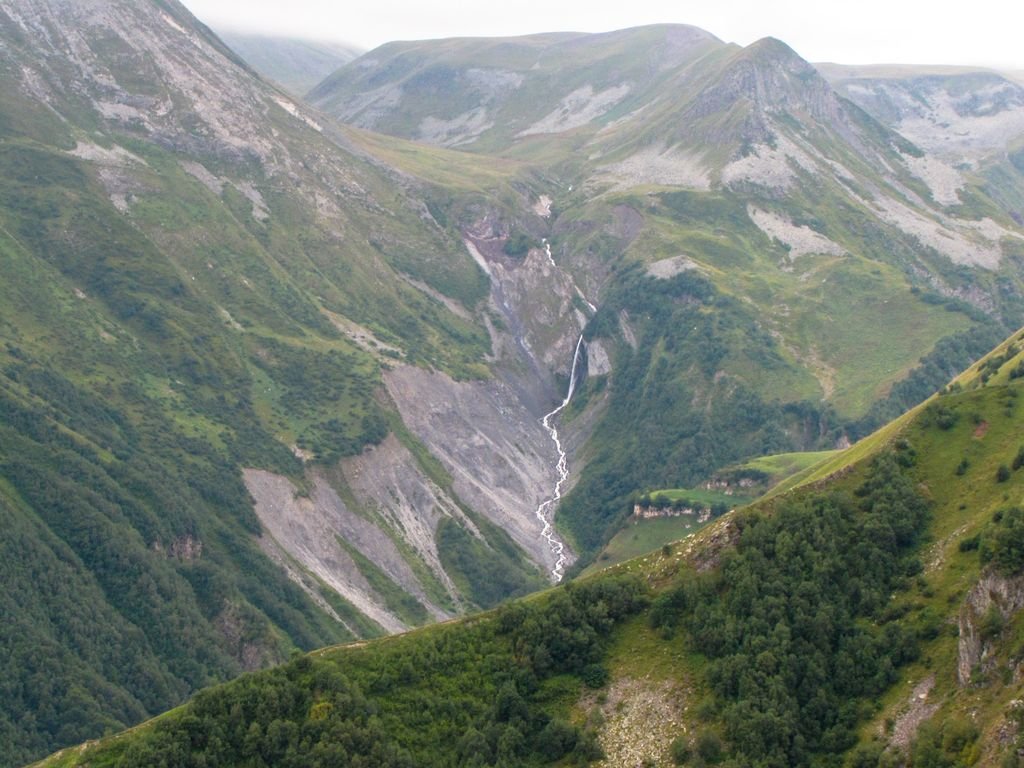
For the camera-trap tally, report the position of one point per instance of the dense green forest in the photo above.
(670, 408)
(794, 623)
(101, 567)
(494, 690)
(668, 413)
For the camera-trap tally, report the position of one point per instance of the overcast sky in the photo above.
(983, 32)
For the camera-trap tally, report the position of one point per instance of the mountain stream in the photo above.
(546, 511)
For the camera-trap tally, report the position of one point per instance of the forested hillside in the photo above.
(870, 618)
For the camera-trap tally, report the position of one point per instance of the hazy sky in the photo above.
(986, 32)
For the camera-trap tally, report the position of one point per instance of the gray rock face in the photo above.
(769, 77)
(960, 116)
(169, 81)
(386, 480)
(1007, 595)
(501, 460)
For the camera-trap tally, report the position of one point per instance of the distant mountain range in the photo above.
(294, 64)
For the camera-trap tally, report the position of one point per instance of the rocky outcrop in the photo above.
(185, 548)
(251, 653)
(707, 551)
(501, 460)
(641, 512)
(1007, 595)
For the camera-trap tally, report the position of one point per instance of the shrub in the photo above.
(1004, 547)
(595, 675)
(1018, 460)
(992, 623)
(518, 245)
(680, 750)
(709, 747)
(968, 545)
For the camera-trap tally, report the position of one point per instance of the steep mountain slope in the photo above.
(200, 280)
(960, 114)
(294, 64)
(870, 617)
(971, 121)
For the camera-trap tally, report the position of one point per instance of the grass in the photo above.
(700, 496)
(643, 536)
(865, 448)
(783, 465)
(640, 652)
(988, 432)
(444, 167)
(832, 317)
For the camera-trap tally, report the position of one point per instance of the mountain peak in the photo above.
(769, 77)
(772, 47)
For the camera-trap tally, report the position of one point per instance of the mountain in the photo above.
(484, 93)
(748, 235)
(960, 114)
(294, 64)
(203, 292)
(971, 120)
(870, 615)
(270, 382)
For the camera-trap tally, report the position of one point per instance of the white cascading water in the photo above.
(545, 511)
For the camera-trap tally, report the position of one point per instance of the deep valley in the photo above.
(340, 392)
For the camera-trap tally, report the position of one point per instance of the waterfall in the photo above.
(545, 512)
